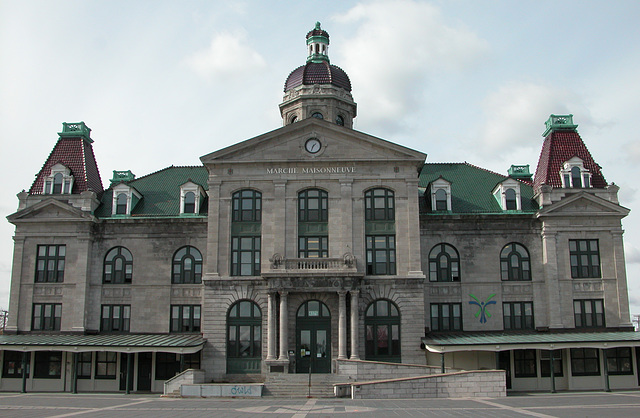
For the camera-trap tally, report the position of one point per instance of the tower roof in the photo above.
(74, 151)
(318, 73)
(562, 142)
(318, 69)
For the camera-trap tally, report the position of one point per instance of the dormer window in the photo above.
(507, 194)
(125, 199)
(574, 175)
(60, 181)
(121, 204)
(191, 197)
(440, 195)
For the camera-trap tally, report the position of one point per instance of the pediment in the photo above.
(337, 144)
(50, 210)
(584, 204)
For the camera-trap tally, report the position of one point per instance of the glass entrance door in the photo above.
(313, 338)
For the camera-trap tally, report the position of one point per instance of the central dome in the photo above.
(318, 73)
(318, 89)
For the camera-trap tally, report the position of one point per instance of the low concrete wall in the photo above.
(189, 376)
(481, 384)
(364, 370)
(209, 390)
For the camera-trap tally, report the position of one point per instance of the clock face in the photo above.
(312, 145)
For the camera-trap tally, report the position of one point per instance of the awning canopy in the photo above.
(501, 341)
(125, 343)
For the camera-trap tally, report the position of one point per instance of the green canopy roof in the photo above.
(129, 343)
(500, 341)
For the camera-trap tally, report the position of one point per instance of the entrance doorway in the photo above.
(313, 338)
(504, 363)
(144, 371)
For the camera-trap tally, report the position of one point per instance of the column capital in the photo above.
(283, 293)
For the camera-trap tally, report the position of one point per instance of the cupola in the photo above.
(318, 88)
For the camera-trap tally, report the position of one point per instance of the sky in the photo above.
(162, 83)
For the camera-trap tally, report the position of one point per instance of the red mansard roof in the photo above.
(560, 146)
(75, 153)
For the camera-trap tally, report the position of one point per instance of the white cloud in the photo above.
(228, 56)
(515, 114)
(632, 254)
(397, 47)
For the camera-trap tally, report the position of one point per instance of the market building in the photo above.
(313, 244)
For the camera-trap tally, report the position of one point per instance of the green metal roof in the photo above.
(130, 343)
(160, 192)
(471, 189)
(499, 341)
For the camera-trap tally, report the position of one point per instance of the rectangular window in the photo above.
(167, 365)
(48, 364)
(192, 361)
(12, 364)
(313, 247)
(46, 317)
(585, 362)
(524, 363)
(589, 313)
(545, 363)
(185, 318)
(517, 315)
(50, 263)
(381, 254)
(446, 317)
(245, 256)
(619, 361)
(115, 318)
(84, 365)
(106, 362)
(585, 258)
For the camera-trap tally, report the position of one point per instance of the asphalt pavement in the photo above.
(573, 404)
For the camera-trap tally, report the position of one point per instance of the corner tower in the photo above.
(318, 88)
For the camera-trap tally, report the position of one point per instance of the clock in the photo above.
(313, 145)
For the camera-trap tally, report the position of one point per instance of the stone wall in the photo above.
(361, 370)
(482, 384)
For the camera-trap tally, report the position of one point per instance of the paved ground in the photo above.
(583, 404)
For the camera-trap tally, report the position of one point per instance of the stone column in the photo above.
(342, 324)
(355, 325)
(550, 264)
(284, 326)
(271, 326)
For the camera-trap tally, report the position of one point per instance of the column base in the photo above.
(277, 365)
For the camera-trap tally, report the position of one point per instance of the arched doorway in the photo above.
(313, 338)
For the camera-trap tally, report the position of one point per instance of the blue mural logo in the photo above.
(482, 307)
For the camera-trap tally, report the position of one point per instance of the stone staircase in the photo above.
(297, 385)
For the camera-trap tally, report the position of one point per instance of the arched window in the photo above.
(441, 199)
(246, 232)
(514, 262)
(576, 177)
(379, 205)
(121, 204)
(444, 264)
(317, 115)
(382, 331)
(313, 206)
(247, 206)
(118, 266)
(339, 120)
(510, 199)
(187, 266)
(57, 183)
(244, 337)
(189, 202)
(313, 213)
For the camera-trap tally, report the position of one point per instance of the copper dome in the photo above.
(318, 73)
